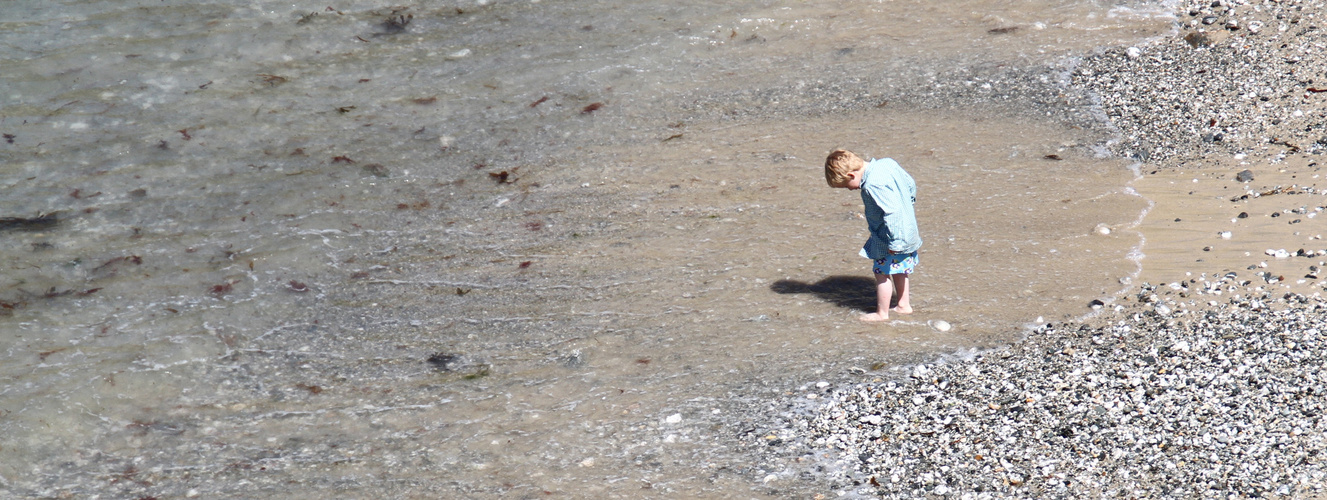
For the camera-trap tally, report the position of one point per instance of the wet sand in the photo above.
(600, 301)
(1278, 211)
(1231, 265)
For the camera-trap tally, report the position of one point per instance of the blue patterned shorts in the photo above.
(896, 263)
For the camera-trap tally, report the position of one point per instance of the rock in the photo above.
(1206, 38)
(1244, 176)
(674, 418)
(940, 325)
(1133, 52)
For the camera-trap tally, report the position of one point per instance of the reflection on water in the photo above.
(507, 248)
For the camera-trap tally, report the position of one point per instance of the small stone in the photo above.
(1133, 52)
(674, 418)
(1225, 235)
(1244, 176)
(940, 325)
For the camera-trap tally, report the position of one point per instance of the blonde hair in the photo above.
(839, 164)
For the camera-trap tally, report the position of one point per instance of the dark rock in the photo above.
(38, 223)
(1244, 176)
(377, 170)
(444, 361)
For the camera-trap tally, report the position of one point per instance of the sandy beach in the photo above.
(1201, 381)
(515, 249)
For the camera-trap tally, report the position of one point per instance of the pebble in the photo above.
(1222, 84)
(1141, 403)
(940, 325)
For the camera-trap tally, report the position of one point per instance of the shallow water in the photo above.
(508, 248)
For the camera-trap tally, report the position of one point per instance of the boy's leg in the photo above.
(900, 285)
(884, 290)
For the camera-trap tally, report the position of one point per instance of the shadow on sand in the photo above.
(853, 292)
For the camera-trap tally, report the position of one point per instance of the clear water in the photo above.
(504, 249)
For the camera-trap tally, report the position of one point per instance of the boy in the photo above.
(888, 193)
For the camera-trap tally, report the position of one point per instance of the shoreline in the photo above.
(1199, 379)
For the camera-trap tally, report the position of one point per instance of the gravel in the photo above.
(1163, 400)
(1250, 81)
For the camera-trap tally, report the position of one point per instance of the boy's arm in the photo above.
(885, 197)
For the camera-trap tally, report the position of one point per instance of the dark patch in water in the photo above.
(38, 223)
(853, 292)
(445, 362)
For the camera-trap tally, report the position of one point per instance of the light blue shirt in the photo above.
(888, 193)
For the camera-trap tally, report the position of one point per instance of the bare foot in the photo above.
(874, 317)
(902, 309)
